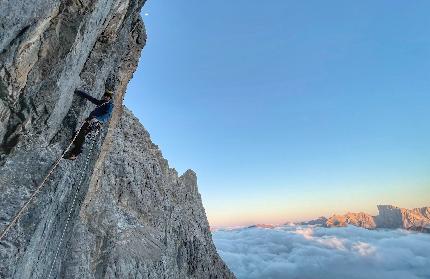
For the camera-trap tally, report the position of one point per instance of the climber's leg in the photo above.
(79, 141)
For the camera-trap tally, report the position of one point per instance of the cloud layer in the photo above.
(307, 252)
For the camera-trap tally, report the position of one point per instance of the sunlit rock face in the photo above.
(395, 217)
(133, 217)
(356, 219)
(390, 217)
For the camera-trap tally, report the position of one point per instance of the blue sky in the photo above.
(290, 109)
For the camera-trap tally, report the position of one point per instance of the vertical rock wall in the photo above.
(47, 50)
(140, 219)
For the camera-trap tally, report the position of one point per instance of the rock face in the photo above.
(390, 217)
(356, 219)
(395, 217)
(118, 211)
(140, 220)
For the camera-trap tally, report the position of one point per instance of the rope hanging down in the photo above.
(78, 187)
(24, 207)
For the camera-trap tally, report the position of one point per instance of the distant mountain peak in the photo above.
(261, 226)
(390, 216)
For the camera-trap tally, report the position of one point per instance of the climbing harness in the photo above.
(95, 125)
(94, 137)
(25, 206)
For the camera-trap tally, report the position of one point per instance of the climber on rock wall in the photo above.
(99, 115)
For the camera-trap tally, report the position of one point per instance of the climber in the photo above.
(99, 115)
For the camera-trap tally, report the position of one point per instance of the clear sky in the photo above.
(289, 110)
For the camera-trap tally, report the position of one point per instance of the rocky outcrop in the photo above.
(356, 219)
(140, 219)
(320, 221)
(395, 217)
(261, 226)
(390, 217)
(118, 211)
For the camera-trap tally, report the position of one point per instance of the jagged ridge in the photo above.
(390, 217)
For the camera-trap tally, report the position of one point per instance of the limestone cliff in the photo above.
(118, 211)
(390, 217)
(356, 219)
(396, 217)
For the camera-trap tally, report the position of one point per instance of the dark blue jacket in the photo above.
(104, 109)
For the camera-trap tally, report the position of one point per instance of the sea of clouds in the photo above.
(306, 252)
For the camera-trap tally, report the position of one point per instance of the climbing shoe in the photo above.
(70, 157)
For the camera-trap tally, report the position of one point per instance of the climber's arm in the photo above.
(88, 97)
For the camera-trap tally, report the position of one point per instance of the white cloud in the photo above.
(302, 252)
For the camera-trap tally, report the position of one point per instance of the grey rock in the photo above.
(395, 217)
(140, 219)
(118, 211)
